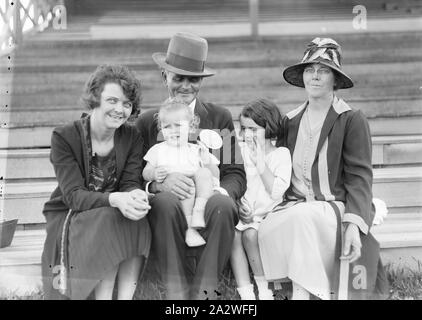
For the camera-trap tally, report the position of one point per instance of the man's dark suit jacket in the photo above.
(232, 172)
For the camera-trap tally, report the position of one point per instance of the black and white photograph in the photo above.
(211, 150)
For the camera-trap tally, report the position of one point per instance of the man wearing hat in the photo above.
(192, 273)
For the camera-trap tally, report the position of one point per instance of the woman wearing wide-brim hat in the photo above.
(330, 197)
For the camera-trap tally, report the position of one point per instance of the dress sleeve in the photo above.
(152, 155)
(357, 157)
(132, 172)
(71, 179)
(281, 165)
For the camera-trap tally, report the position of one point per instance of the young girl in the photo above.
(176, 154)
(268, 171)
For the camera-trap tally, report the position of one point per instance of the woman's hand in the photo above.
(352, 243)
(133, 205)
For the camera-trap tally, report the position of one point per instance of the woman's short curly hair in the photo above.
(118, 74)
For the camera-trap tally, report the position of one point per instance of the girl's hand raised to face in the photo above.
(257, 146)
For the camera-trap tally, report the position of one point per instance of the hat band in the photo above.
(184, 63)
(327, 61)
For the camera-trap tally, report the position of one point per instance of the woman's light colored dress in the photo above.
(303, 235)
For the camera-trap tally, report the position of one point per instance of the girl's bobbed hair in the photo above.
(266, 114)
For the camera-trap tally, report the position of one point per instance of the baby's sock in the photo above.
(193, 238)
(198, 220)
(263, 292)
(246, 292)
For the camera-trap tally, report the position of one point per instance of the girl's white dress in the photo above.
(256, 198)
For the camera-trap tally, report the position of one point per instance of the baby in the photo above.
(176, 154)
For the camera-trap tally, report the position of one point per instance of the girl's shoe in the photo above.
(266, 295)
(246, 292)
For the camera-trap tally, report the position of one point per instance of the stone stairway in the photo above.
(48, 72)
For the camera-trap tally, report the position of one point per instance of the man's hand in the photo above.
(160, 174)
(178, 184)
(352, 243)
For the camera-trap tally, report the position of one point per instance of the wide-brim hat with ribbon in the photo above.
(324, 51)
(186, 55)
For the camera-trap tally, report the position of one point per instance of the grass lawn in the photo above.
(405, 284)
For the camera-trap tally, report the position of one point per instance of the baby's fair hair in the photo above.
(174, 104)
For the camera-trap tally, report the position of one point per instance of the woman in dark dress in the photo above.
(96, 228)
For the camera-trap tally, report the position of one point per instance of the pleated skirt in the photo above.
(299, 243)
(98, 241)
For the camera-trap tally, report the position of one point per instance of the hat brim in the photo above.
(160, 59)
(294, 75)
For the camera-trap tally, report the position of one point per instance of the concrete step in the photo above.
(25, 249)
(354, 43)
(412, 226)
(400, 188)
(404, 209)
(394, 150)
(25, 199)
(152, 12)
(401, 246)
(230, 29)
(26, 164)
(30, 135)
(397, 239)
(381, 89)
(399, 231)
(372, 107)
(217, 12)
(20, 264)
(35, 163)
(405, 216)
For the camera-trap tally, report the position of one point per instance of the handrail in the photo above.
(18, 17)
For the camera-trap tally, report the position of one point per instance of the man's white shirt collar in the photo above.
(192, 106)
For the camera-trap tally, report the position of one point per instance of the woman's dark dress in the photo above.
(98, 239)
